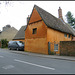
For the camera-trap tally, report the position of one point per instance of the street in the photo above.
(14, 63)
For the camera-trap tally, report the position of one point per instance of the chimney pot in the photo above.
(60, 13)
(28, 19)
(28, 15)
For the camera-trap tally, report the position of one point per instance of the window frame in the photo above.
(34, 31)
(56, 49)
(65, 35)
(69, 36)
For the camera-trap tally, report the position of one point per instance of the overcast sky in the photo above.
(15, 12)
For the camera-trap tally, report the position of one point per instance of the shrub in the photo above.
(4, 43)
(51, 53)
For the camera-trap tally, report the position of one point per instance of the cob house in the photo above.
(44, 32)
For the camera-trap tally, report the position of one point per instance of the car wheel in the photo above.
(9, 48)
(17, 49)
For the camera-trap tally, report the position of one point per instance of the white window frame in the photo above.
(56, 49)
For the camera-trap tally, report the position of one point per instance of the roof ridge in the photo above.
(46, 17)
(51, 21)
(35, 6)
(21, 33)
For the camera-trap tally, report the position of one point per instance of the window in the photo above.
(34, 30)
(55, 47)
(20, 43)
(14, 43)
(65, 35)
(69, 36)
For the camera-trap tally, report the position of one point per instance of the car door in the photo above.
(14, 45)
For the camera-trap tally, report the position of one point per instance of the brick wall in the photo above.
(73, 38)
(67, 48)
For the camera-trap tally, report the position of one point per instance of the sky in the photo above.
(15, 13)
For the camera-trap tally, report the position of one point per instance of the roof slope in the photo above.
(70, 28)
(53, 22)
(8, 34)
(20, 34)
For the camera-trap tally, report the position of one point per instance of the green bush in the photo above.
(4, 43)
(51, 53)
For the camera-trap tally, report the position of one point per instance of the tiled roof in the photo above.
(53, 22)
(20, 34)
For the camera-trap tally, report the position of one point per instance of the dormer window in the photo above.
(34, 30)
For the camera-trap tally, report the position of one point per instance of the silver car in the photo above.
(18, 45)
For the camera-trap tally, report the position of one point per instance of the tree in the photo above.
(70, 19)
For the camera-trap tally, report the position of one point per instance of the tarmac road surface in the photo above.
(14, 63)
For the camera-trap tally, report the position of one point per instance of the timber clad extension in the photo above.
(48, 32)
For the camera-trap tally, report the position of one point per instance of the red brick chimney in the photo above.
(60, 13)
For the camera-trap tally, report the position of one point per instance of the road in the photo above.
(14, 63)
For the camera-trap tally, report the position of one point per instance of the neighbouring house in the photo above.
(8, 32)
(20, 36)
(44, 32)
(0, 31)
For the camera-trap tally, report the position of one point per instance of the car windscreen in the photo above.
(10, 42)
(20, 43)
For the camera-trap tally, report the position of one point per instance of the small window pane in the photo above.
(14, 43)
(65, 35)
(69, 36)
(55, 47)
(34, 30)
